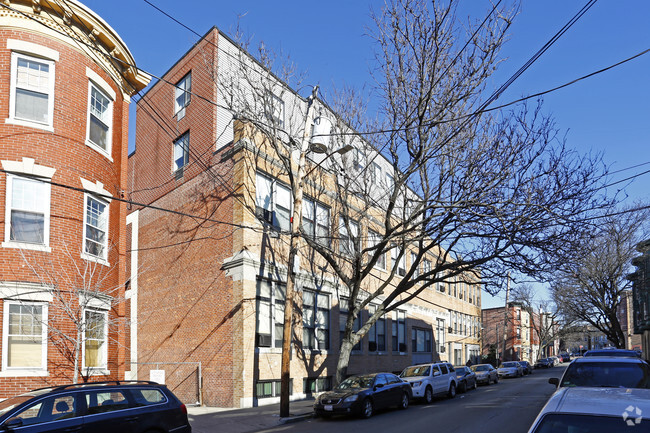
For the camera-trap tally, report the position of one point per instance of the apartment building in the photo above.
(210, 245)
(517, 327)
(66, 85)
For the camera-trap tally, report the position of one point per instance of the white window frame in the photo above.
(274, 301)
(401, 264)
(347, 240)
(318, 215)
(183, 90)
(183, 138)
(416, 271)
(318, 325)
(49, 125)
(23, 371)
(374, 239)
(104, 351)
(271, 202)
(276, 110)
(85, 254)
(46, 197)
(108, 121)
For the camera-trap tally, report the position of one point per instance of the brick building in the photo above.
(521, 339)
(208, 279)
(63, 154)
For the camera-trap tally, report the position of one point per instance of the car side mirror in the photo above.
(554, 381)
(381, 385)
(13, 423)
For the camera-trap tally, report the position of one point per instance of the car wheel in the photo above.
(367, 408)
(496, 379)
(404, 404)
(475, 384)
(428, 395)
(452, 391)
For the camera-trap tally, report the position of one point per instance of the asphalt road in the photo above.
(509, 406)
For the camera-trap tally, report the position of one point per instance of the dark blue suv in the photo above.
(96, 407)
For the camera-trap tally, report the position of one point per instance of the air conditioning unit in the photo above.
(442, 349)
(263, 340)
(450, 330)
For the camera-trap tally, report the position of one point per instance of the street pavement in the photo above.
(511, 405)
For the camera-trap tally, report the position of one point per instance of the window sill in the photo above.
(24, 373)
(99, 150)
(99, 371)
(95, 259)
(27, 246)
(378, 353)
(317, 351)
(269, 350)
(30, 124)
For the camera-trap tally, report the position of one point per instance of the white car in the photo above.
(510, 369)
(595, 410)
(427, 380)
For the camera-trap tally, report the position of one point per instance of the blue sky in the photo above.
(605, 114)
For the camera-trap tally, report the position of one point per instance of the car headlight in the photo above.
(415, 384)
(351, 398)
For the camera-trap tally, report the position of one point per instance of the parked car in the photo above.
(363, 395)
(595, 410)
(485, 373)
(466, 379)
(565, 357)
(98, 407)
(528, 369)
(544, 363)
(613, 352)
(510, 369)
(555, 359)
(605, 372)
(428, 380)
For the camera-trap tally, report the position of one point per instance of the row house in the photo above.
(209, 278)
(517, 326)
(65, 88)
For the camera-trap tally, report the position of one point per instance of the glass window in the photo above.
(270, 313)
(96, 228)
(32, 89)
(426, 266)
(440, 335)
(147, 396)
(399, 264)
(348, 241)
(49, 409)
(182, 94)
(399, 331)
(28, 210)
(377, 333)
(272, 202)
(270, 388)
(421, 340)
(315, 320)
(315, 221)
(106, 401)
(414, 262)
(181, 151)
(315, 385)
(275, 109)
(25, 334)
(100, 118)
(95, 330)
(373, 240)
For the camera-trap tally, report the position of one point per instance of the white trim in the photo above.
(101, 83)
(109, 134)
(46, 217)
(21, 371)
(33, 49)
(25, 292)
(96, 188)
(95, 301)
(27, 166)
(132, 293)
(101, 369)
(103, 259)
(49, 124)
(24, 373)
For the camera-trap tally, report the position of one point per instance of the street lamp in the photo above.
(319, 144)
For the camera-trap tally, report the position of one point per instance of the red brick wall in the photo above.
(66, 151)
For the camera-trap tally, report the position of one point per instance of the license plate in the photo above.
(328, 407)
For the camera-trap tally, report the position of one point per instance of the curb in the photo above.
(296, 418)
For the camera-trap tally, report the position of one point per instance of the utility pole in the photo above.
(496, 346)
(505, 324)
(291, 277)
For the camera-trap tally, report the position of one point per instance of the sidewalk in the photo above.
(210, 419)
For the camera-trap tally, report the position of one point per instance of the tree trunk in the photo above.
(344, 359)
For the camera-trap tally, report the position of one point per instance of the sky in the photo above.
(606, 114)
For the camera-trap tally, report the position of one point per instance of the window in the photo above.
(272, 202)
(270, 388)
(96, 228)
(343, 317)
(181, 152)
(27, 210)
(315, 221)
(100, 118)
(314, 385)
(390, 183)
(375, 173)
(399, 331)
(518, 332)
(400, 264)
(32, 89)
(421, 340)
(95, 332)
(106, 401)
(359, 159)
(270, 313)
(315, 321)
(48, 410)
(373, 240)
(426, 266)
(348, 242)
(377, 333)
(440, 335)
(275, 110)
(414, 262)
(25, 335)
(182, 94)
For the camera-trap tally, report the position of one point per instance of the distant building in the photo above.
(641, 296)
(516, 327)
(67, 80)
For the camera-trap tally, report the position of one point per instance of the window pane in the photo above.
(31, 106)
(100, 106)
(96, 227)
(95, 339)
(263, 317)
(98, 132)
(263, 188)
(25, 339)
(27, 227)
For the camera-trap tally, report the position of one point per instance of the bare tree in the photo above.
(589, 287)
(464, 194)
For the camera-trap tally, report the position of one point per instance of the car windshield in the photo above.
(625, 353)
(461, 371)
(607, 374)
(481, 368)
(509, 364)
(416, 370)
(356, 382)
(564, 422)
